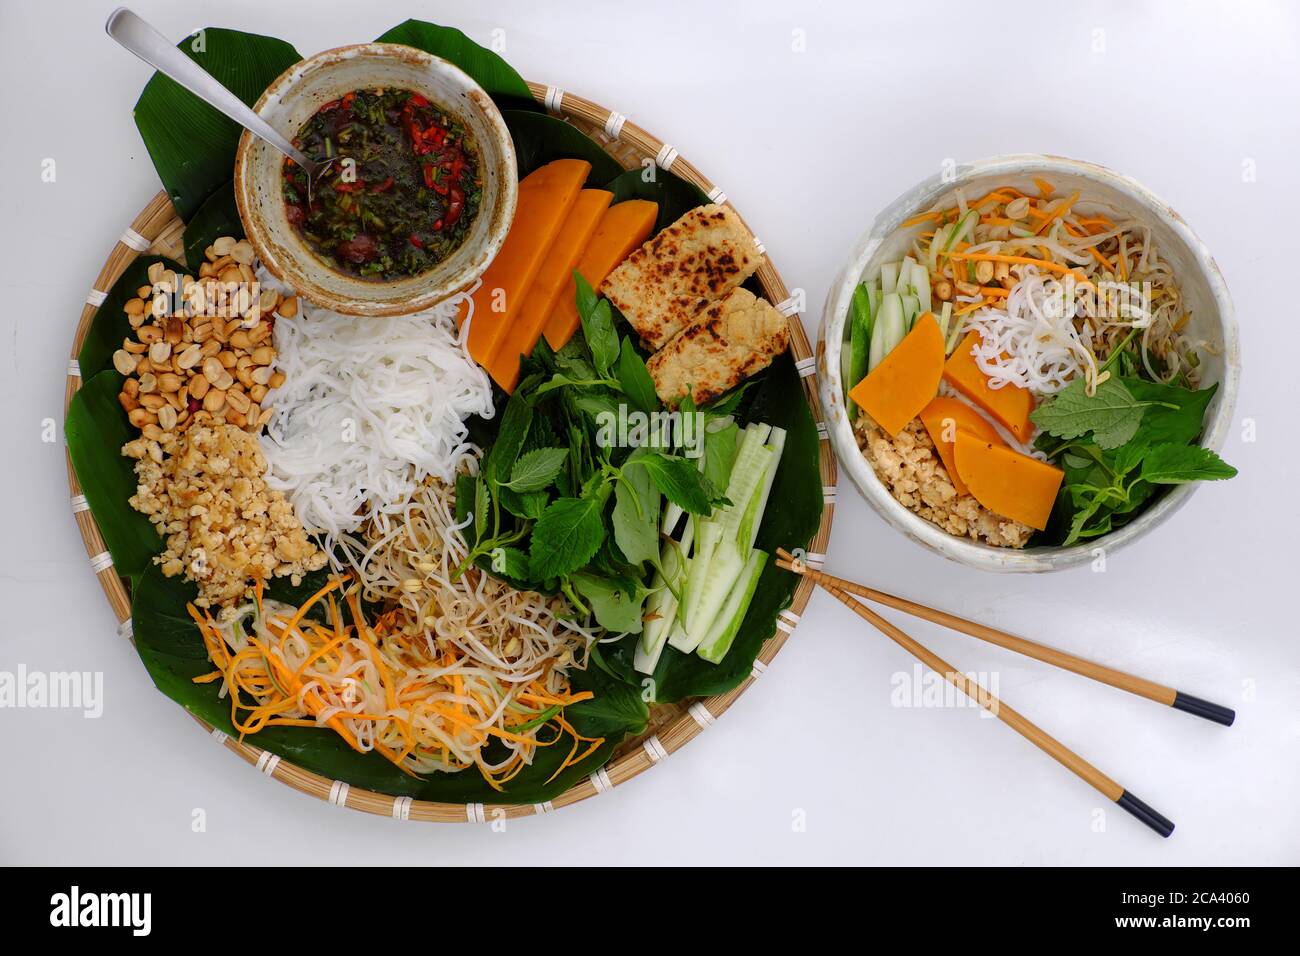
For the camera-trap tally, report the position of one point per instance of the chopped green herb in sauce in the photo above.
(401, 193)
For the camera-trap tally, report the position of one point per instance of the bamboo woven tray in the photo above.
(157, 230)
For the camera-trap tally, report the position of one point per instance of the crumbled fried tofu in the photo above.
(911, 469)
(224, 528)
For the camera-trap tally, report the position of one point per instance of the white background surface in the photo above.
(808, 145)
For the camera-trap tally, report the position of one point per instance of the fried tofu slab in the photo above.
(700, 258)
(724, 344)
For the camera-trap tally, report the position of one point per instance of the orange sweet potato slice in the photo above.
(621, 229)
(896, 390)
(545, 197)
(1010, 405)
(1006, 482)
(942, 418)
(555, 273)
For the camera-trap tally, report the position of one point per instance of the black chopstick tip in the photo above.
(1203, 708)
(1155, 820)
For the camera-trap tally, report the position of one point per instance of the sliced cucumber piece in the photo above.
(753, 519)
(724, 567)
(889, 277)
(718, 641)
(921, 283)
(889, 320)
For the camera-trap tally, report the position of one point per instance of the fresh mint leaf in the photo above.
(535, 470)
(568, 533)
(682, 483)
(636, 512)
(1112, 414)
(1177, 464)
(634, 378)
(616, 602)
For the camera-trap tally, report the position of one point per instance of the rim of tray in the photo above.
(157, 230)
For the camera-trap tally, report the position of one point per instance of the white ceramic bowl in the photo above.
(294, 98)
(1201, 282)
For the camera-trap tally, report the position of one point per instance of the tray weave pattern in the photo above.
(158, 231)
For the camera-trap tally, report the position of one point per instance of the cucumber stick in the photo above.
(727, 625)
(747, 474)
(911, 309)
(723, 569)
(921, 287)
(889, 328)
(753, 518)
(661, 607)
(889, 277)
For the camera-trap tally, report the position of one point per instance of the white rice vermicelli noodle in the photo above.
(369, 408)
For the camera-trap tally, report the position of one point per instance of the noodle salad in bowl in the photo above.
(1028, 361)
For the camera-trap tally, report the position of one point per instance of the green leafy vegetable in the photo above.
(636, 512)
(536, 469)
(615, 602)
(597, 326)
(1177, 464)
(109, 326)
(191, 143)
(683, 483)
(484, 66)
(539, 139)
(96, 430)
(217, 217)
(634, 378)
(1112, 414)
(567, 535)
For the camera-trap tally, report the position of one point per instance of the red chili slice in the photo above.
(416, 241)
(429, 173)
(455, 205)
(417, 100)
(383, 187)
(352, 187)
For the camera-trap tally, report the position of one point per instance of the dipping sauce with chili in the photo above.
(402, 190)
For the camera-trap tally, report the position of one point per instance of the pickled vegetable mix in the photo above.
(402, 189)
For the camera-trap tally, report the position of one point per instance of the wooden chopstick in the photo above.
(1049, 655)
(1022, 725)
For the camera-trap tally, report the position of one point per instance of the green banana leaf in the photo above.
(675, 196)
(218, 216)
(172, 650)
(483, 66)
(540, 138)
(110, 327)
(193, 145)
(96, 429)
(791, 524)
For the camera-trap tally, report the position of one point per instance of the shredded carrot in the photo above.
(1060, 210)
(1045, 189)
(922, 217)
(1020, 260)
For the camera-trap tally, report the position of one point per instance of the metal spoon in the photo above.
(138, 36)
